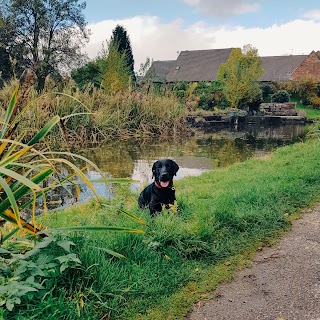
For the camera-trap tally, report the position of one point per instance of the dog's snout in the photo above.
(164, 176)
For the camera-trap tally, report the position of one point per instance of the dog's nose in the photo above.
(164, 176)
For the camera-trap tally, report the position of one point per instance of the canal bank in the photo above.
(282, 283)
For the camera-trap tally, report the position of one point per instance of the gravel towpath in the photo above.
(283, 282)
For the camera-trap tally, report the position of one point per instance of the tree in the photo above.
(280, 96)
(117, 74)
(92, 72)
(5, 67)
(51, 32)
(89, 73)
(121, 38)
(144, 67)
(239, 77)
(10, 55)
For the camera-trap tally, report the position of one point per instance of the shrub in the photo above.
(268, 89)
(280, 96)
(305, 88)
(315, 103)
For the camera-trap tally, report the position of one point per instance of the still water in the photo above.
(195, 154)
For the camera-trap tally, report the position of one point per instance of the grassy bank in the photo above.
(223, 215)
(310, 113)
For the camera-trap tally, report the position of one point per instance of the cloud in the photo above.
(218, 8)
(158, 40)
(312, 15)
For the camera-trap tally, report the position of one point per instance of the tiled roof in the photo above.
(203, 65)
(280, 68)
(158, 71)
(198, 65)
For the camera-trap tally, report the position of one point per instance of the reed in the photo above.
(102, 116)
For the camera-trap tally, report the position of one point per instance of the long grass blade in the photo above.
(12, 199)
(44, 131)
(133, 217)
(76, 114)
(9, 112)
(114, 180)
(8, 215)
(23, 190)
(14, 157)
(79, 173)
(10, 234)
(95, 228)
(13, 146)
(73, 98)
(111, 252)
(81, 158)
(27, 182)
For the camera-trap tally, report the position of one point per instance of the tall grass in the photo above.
(220, 215)
(103, 116)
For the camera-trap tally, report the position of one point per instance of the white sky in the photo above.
(161, 38)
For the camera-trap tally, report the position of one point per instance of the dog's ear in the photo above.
(175, 167)
(154, 167)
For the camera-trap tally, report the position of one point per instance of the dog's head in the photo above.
(163, 172)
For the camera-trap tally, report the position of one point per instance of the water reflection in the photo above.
(196, 154)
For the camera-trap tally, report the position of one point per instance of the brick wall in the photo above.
(310, 67)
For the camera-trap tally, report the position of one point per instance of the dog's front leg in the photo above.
(154, 207)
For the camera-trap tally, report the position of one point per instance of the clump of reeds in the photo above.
(103, 116)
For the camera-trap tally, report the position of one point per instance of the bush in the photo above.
(206, 101)
(268, 89)
(280, 96)
(315, 103)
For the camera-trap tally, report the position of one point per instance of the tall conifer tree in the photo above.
(121, 37)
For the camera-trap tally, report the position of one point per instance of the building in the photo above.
(203, 65)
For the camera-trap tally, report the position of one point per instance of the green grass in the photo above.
(223, 215)
(310, 113)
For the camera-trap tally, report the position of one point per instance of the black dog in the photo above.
(161, 191)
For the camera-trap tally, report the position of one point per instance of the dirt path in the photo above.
(283, 283)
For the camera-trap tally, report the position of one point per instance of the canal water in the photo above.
(196, 154)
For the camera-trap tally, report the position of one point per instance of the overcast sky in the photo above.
(160, 29)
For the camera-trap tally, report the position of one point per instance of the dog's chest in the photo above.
(164, 196)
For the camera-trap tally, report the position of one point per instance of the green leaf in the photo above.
(114, 180)
(27, 182)
(76, 114)
(12, 199)
(9, 112)
(111, 252)
(9, 159)
(9, 305)
(23, 190)
(71, 257)
(93, 228)
(78, 172)
(44, 131)
(65, 244)
(4, 251)
(131, 216)
(82, 158)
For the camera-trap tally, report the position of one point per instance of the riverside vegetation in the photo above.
(101, 116)
(222, 217)
(158, 267)
(153, 268)
(144, 112)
